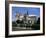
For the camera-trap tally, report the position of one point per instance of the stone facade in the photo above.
(28, 18)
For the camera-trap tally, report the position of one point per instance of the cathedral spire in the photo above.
(27, 12)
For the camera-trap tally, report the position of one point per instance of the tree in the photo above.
(38, 21)
(19, 22)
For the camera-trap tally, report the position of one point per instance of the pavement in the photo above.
(20, 28)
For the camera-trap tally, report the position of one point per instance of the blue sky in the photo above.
(23, 10)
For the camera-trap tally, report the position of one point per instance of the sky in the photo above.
(23, 10)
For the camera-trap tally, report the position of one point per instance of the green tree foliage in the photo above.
(19, 22)
(38, 21)
(36, 25)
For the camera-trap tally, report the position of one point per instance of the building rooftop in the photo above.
(32, 15)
